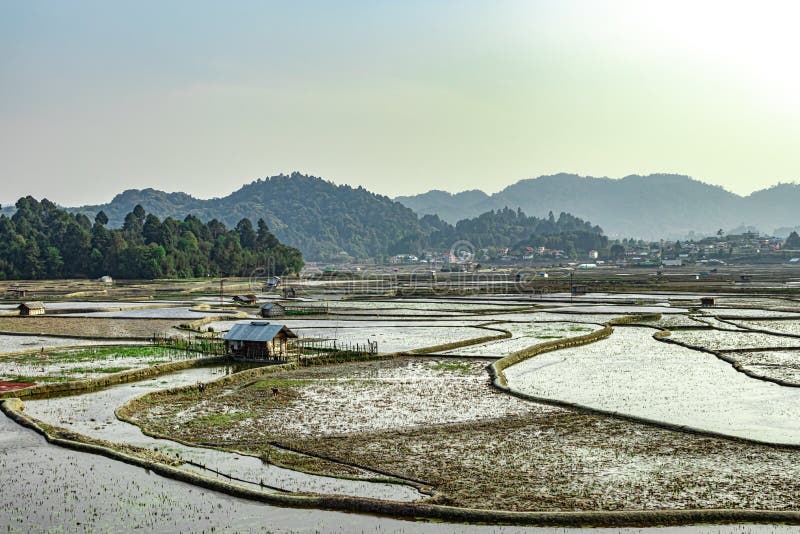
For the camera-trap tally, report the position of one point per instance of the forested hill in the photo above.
(320, 218)
(325, 221)
(515, 230)
(41, 240)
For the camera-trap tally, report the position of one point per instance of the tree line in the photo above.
(42, 241)
(513, 229)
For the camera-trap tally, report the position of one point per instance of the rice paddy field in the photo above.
(524, 335)
(634, 374)
(595, 427)
(729, 340)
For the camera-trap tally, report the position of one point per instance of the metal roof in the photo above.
(32, 305)
(259, 331)
(269, 305)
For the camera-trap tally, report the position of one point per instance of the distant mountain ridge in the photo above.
(324, 220)
(649, 207)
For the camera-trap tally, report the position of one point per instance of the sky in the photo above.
(400, 97)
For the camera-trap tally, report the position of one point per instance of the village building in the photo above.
(245, 299)
(258, 340)
(31, 308)
(272, 309)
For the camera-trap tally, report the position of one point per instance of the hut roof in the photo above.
(259, 331)
(270, 305)
(32, 305)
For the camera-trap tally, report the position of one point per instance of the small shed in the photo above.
(707, 302)
(31, 308)
(272, 309)
(578, 290)
(258, 340)
(245, 299)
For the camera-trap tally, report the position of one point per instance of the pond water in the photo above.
(92, 414)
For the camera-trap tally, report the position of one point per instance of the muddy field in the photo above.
(334, 400)
(562, 460)
(89, 327)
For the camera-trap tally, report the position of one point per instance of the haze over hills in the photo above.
(324, 220)
(649, 207)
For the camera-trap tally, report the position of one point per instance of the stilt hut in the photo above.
(258, 340)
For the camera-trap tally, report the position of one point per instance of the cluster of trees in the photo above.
(792, 242)
(516, 230)
(41, 240)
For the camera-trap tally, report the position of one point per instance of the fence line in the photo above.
(301, 349)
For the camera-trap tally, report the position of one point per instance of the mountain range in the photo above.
(648, 207)
(326, 221)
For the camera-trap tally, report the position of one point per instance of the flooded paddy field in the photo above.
(634, 374)
(441, 422)
(369, 428)
(93, 414)
(524, 335)
(395, 338)
(783, 365)
(791, 327)
(731, 340)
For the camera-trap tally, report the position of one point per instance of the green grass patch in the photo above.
(38, 379)
(93, 354)
(103, 370)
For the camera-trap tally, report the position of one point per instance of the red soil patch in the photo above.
(10, 386)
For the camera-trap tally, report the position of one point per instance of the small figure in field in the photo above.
(201, 387)
(275, 392)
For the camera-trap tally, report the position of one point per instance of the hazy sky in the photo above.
(399, 97)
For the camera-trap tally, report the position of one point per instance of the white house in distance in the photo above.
(593, 254)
